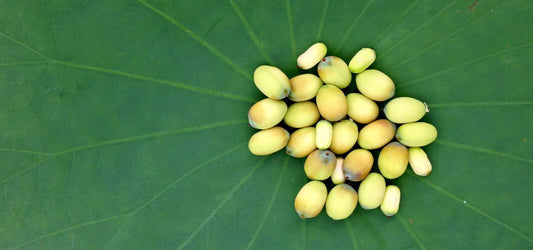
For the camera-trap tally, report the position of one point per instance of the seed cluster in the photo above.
(325, 129)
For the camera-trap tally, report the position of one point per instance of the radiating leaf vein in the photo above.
(351, 233)
(221, 205)
(386, 30)
(475, 209)
(406, 226)
(24, 45)
(352, 26)
(396, 44)
(483, 150)
(191, 88)
(291, 29)
(322, 19)
(251, 33)
(269, 206)
(197, 39)
(466, 63)
(39, 163)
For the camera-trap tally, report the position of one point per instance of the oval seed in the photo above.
(344, 136)
(310, 199)
(361, 108)
(375, 85)
(331, 103)
(357, 164)
(341, 202)
(266, 113)
(404, 110)
(272, 82)
(304, 87)
(376, 134)
(416, 134)
(419, 162)
(268, 141)
(371, 191)
(393, 160)
(312, 56)
(333, 70)
(302, 114)
(324, 130)
(320, 164)
(391, 200)
(362, 60)
(302, 142)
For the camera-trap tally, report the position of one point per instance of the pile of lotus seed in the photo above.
(325, 128)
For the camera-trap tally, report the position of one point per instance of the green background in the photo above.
(123, 124)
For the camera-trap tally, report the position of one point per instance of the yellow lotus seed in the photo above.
(404, 110)
(319, 165)
(272, 82)
(266, 113)
(376, 134)
(331, 103)
(324, 131)
(312, 56)
(302, 114)
(393, 160)
(419, 162)
(362, 60)
(357, 164)
(375, 85)
(310, 199)
(337, 177)
(333, 70)
(304, 87)
(302, 142)
(371, 191)
(344, 136)
(268, 141)
(391, 200)
(361, 108)
(416, 134)
(341, 202)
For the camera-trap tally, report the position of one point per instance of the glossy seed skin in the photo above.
(344, 136)
(357, 164)
(310, 199)
(302, 114)
(324, 131)
(391, 200)
(333, 70)
(375, 85)
(419, 162)
(301, 142)
(337, 177)
(341, 202)
(376, 134)
(361, 108)
(268, 141)
(304, 87)
(331, 103)
(393, 160)
(272, 82)
(266, 113)
(371, 191)
(312, 56)
(416, 134)
(319, 165)
(362, 60)
(404, 110)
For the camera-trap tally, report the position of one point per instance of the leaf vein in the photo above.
(385, 31)
(474, 104)
(483, 150)
(2, 34)
(291, 29)
(269, 207)
(419, 28)
(322, 20)
(352, 26)
(197, 39)
(468, 62)
(156, 80)
(251, 33)
(406, 226)
(473, 208)
(228, 197)
(352, 234)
